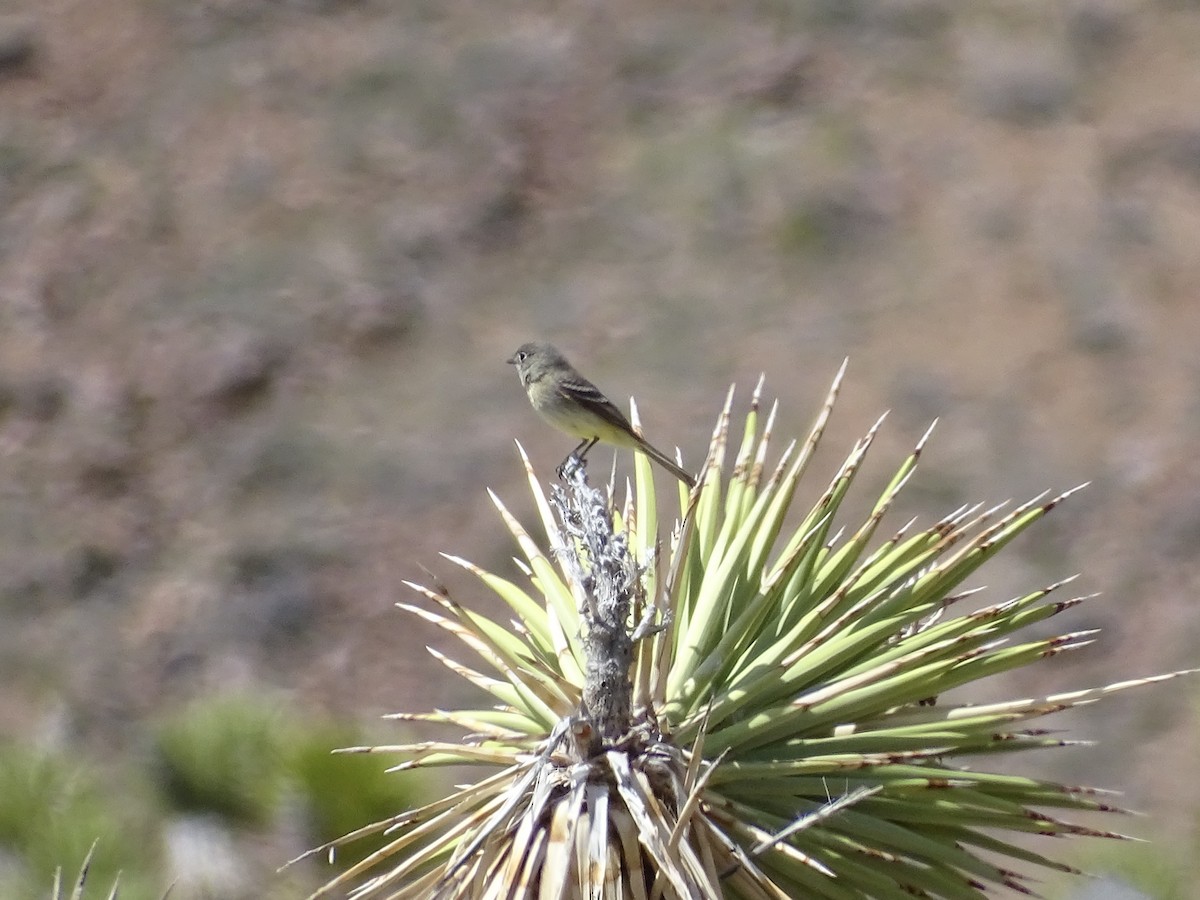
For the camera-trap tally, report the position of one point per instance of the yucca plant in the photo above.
(79, 885)
(58, 888)
(752, 710)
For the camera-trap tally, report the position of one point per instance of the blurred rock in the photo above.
(382, 314)
(508, 60)
(28, 587)
(1180, 149)
(37, 581)
(251, 179)
(835, 218)
(208, 21)
(274, 596)
(238, 368)
(1098, 29)
(902, 18)
(1191, 425)
(1026, 81)
(1100, 310)
(203, 859)
(286, 461)
(499, 219)
(1128, 219)
(838, 12)
(646, 68)
(14, 873)
(90, 568)
(103, 423)
(1177, 146)
(375, 301)
(1177, 532)
(420, 237)
(321, 6)
(65, 281)
(784, 80)
(910, 18)
(19, 38)
(997, 217)
(40, 398)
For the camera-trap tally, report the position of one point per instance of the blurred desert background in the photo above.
(261, 263)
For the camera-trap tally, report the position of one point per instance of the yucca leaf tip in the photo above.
(753, 710)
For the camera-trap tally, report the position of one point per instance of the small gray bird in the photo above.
(572, 404)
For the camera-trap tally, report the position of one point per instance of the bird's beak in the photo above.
(512, 360)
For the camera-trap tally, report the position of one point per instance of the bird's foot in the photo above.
(567, 468)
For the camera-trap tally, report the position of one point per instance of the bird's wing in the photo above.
(589, 396)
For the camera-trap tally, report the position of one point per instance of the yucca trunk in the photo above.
(747, 711)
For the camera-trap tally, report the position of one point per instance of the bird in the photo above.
(572, 404)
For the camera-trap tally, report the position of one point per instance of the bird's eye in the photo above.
(521, 354)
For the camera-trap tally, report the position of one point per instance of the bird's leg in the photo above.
(574, 458)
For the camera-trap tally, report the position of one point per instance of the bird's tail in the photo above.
(667, 463)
